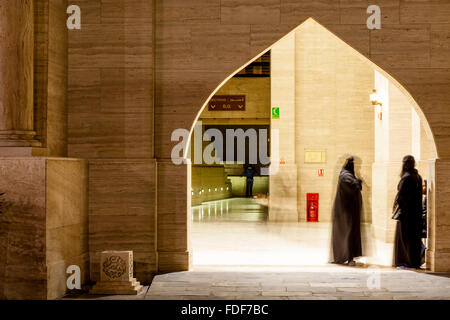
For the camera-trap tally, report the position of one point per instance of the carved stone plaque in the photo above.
(116, 266)
(116, 274)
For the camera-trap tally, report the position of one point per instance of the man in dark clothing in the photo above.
(249, 172)
(408, 243)
(346, 233)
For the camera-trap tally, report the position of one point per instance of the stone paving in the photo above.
(304, 283)
(239, 255)
(308, 283)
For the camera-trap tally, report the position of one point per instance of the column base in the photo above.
(16, 138)
(132, 287)
(174, 261)
(283, 206)
(44, 226)
(17, 152)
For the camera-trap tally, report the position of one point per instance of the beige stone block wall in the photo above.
(333, 113)
(173, 216)
(66, 222)
(43, 228)
(440, 220)
(283, 77)
(412, 46)
(122, 213)
(23, 270)
(50, 74)
(399, 119)
(111, 123)
(283, 183)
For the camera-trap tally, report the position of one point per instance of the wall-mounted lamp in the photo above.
(375, 99)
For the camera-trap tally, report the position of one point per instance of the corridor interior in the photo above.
(324, 102)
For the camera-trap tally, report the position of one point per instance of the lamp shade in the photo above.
(374, 97)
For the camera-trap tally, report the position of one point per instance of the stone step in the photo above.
(117, 287)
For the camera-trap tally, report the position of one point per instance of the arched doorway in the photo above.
(295, 201)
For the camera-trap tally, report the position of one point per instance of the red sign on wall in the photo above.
(227, 103)
(321, 172)
(312, 207)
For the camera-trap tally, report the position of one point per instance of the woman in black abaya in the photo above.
(346, 234)
(408, 244)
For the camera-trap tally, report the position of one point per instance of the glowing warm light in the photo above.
(374, 98)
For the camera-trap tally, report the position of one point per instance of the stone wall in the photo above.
(43, 228)
(322, 87)
(66, 222)
(50, 77)
(23, 270)
(198, 44)
(333, 113)
(110, 110)
(412, 47)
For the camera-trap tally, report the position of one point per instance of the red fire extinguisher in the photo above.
(312, 207)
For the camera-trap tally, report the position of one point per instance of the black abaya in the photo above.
(346, 234)
(408, 244)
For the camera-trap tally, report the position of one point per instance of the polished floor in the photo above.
(236, 232)
(238, 254)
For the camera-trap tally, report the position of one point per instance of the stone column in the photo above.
(283, 182)
(438, 244)
(397, 133)
(16, 73)
(173, 220)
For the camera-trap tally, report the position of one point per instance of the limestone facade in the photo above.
(137, 70)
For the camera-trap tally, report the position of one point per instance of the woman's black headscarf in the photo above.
(350, 165)
(409, 164)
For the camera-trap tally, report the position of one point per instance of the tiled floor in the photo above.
(239, 255)
(324, 282)
(303, 283)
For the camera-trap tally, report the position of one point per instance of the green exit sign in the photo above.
(275, 113)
